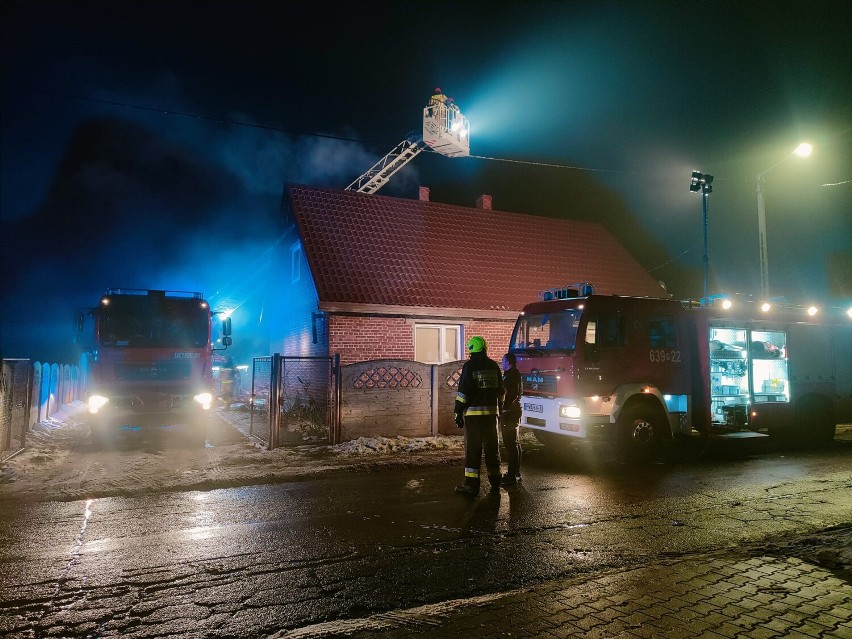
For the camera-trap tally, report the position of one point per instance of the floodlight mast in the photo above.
(445, 130)
(703, 182)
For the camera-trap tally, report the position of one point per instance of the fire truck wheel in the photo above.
(639, 430)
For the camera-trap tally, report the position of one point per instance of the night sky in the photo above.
(147, 144)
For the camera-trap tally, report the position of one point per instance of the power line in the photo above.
(196, 116)
(555, 166)
(267, 127)
(674, 259)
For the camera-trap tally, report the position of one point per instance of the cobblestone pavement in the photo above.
(724, 594)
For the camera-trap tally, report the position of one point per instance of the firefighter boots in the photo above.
(510, 480)
(468, 490)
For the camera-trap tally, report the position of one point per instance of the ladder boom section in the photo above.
(379, 174)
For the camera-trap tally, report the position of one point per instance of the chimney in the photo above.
(483, 202)
(424, 193)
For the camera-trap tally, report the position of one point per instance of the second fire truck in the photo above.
(150, 355)
(635, 371)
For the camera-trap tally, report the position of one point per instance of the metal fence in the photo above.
(308, 400)
(31, 392)
(260, 400)
(295, 400)
(15, 403)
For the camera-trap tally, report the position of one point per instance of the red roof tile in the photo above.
(372, 249)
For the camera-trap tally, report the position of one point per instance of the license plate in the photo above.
(534, 408)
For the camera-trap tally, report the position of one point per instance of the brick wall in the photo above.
(496, 333)
(360, 338)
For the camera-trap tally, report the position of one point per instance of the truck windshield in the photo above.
(171, 326)
(556, 331)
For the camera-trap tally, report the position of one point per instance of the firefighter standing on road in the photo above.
(510, 418)
(480, 393)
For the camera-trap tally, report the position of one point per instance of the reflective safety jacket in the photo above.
(480, 390)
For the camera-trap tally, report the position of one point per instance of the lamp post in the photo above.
(803, 151)
(703, 182)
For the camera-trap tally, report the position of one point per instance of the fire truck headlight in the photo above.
(571, 412)
(96, 402)
(205, 399)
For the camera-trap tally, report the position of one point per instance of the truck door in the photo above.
(666, 354)
(605, 357)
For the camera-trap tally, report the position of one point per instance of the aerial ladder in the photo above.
(445, 130)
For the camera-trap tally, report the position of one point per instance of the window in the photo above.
(437, 343)
(662, 333)
(295, 262)
(770, 377)
(729, 388)
(546, 331)
(607, 329)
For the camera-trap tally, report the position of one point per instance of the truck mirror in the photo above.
(226, 327)
(227, 341)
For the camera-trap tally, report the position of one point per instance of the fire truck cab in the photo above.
(149, 360)
(634, 371)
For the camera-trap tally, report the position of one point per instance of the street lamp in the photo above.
(703, 182)
(802, 151)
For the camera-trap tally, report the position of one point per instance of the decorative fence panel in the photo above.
(397, 397)
(446, 386)
(386, 398)
(319, 401)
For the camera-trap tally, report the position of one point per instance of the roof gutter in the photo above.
(419, 311)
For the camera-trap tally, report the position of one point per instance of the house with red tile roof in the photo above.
(373, 277)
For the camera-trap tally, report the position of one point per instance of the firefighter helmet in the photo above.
(476, 344)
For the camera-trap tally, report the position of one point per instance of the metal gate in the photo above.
(299, 397)
(259, 403)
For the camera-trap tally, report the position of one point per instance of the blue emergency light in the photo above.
(566, 292)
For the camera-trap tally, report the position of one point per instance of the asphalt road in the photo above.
(250, 561)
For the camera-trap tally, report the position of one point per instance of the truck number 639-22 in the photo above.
(662, 355)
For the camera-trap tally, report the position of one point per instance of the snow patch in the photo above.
(398, 444)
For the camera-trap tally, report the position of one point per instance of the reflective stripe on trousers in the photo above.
(481, 410)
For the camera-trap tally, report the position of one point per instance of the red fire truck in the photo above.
(634, 371)
(150, 359)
